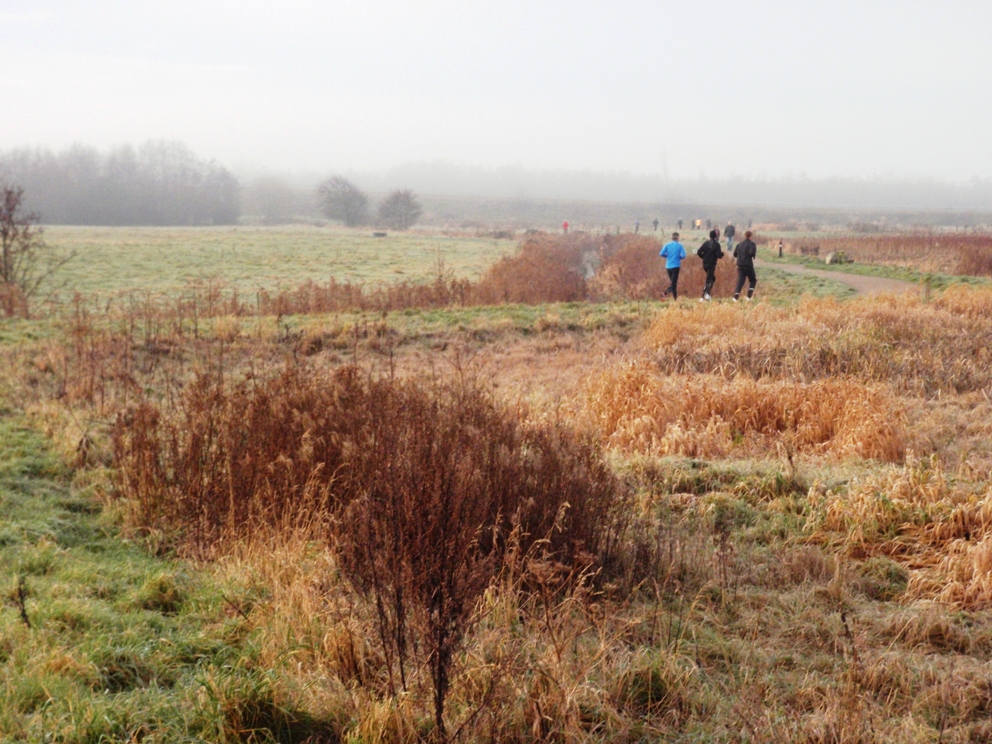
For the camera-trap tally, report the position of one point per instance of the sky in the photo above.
(713, 89)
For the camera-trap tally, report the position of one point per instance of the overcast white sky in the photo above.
(721, 88)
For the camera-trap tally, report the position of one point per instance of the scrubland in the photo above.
(533, 504)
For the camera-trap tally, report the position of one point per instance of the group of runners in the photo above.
(710, 252)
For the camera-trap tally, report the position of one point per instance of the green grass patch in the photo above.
(119, 645)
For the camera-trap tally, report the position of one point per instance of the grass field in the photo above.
(110, 260)
(224, 530)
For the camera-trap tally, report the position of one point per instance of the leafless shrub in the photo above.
(547, 269)
(419, 484)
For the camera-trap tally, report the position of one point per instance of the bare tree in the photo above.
(340, 199)
(26, 261)
(400, 209)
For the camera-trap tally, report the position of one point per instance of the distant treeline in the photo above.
(159, 183)
(517, 182)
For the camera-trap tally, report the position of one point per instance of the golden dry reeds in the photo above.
(639, 410)
(917, 347)
(916, 515)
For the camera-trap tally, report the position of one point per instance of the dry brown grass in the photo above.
(917, 347)
(739, 607)
(639, 410)
(940, 530)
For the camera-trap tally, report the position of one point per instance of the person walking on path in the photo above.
(730, 231)
(745, 252)
(673, 253)
(564, 227)
(655, 223)
(710, 252)
(637, 226)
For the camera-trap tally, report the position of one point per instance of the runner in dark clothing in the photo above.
(745, 252)
(710, 252)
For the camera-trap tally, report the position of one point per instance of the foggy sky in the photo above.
(706, 89)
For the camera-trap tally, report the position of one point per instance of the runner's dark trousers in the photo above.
(673, 276)
(745, 272)
(710, 280)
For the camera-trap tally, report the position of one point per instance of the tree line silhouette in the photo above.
(158, 183)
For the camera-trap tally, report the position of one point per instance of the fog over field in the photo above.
(877, 105)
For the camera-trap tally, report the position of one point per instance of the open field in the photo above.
(604, 519)
(110, 260)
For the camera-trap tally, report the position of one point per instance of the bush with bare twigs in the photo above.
(422, 487)
(547, 269)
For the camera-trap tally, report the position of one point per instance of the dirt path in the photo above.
(860, 284)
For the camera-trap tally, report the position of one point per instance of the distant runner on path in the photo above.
(673, 253)
(730, 231)
(564, 227)
(710, 252)
(745, 252)
(655, 223)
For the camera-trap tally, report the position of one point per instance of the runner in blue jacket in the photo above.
(673, 253)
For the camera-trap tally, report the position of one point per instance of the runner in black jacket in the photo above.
(745, 252)
(710, 252)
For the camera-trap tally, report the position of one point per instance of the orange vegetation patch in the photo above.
(923, 348)
(708, 416)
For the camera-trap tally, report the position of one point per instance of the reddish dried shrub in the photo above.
(423, 487)
(547, 269)
(290, 451)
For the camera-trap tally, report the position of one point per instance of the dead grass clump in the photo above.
(941, 532)
(547, 269)
(916, 347)
(929, 627)
(640, 411)
(970, 302)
